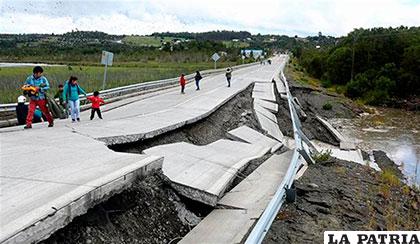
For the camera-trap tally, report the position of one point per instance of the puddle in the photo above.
(391, 130)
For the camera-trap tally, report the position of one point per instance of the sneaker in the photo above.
(73, 120)
(27, 127)
(78, 119)
(51, 125)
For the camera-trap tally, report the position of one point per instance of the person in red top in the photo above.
(96, 104)
(182, 82)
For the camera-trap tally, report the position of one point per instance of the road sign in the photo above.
(107, 58)
(215, 57)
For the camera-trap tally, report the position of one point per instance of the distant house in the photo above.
(254, 52)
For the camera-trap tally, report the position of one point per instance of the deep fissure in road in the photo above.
(236, 112)
(151, 211)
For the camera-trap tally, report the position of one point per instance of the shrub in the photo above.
(388, 177)
(322, 156)
(326, 83)
(327, 106)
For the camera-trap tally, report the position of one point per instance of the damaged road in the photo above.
(148, 212)
(151, 211)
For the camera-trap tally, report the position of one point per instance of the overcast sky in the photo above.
(290, 17)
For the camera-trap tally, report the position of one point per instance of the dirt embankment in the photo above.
(338, 195)
(148, 212)
(312, 102)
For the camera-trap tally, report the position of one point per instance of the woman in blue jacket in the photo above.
(71, 93)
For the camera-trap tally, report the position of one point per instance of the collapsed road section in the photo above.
(59, 187)
(157, 210)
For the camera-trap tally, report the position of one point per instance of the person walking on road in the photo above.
(182, 82)
(197, 78)
(71, 93)
(36, 85)
(229, 75)
(96, 104)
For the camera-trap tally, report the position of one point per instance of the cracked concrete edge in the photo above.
(195, 194)
(63, 215)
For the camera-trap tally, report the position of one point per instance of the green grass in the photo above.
(299, 75)
(91, 77)
(153, 41)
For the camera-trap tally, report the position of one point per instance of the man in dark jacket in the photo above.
(197, 78)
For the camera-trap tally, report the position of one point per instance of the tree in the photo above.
(339, 65)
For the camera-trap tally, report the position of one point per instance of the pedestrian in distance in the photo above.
(197, 78)
(96, 104)
(228, 75)
(182, 82)
(35, 86)
(71, 93)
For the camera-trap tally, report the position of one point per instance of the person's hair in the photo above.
(182, 75)
(95, 93)
(60, 86)
(198, 72)
(38, 69)
(72, 78)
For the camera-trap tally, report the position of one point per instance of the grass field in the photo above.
(153, 41)
(91, 77)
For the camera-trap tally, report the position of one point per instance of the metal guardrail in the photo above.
(301, 151)
(118, 91)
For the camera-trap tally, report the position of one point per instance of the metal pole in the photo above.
(103, 83)
(352, 60)
(215, 64)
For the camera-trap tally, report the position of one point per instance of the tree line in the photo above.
(376, 65)
(85, 46)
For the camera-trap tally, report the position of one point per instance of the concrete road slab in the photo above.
(46, 179)
(245, 202)
(259, 109)
(203, 173)
(221, 226)
(270, 127)
(256, 190)
(281, 88)
(254, 137)
(273, 107)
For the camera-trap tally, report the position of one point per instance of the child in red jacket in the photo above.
(182, 82)
(96, 103)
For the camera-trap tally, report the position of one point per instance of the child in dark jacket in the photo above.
(96, 104)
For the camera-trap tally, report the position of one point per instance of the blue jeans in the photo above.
(75, 109)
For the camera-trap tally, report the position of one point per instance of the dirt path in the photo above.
(339, 195)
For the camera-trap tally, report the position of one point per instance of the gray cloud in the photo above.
(146, 16)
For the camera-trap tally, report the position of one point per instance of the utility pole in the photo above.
(352, 58)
